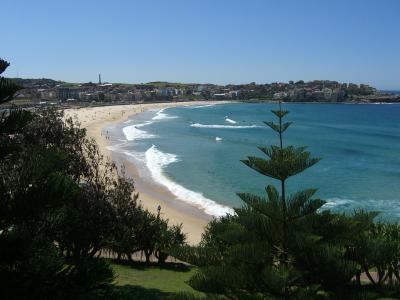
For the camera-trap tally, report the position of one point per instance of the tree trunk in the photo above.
(129, 256)
(369, 275)
(358, 278)
(147, 253)
(284, 224)
(162, 257)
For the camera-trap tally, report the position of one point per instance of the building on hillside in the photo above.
(48, 94)
(62, 93)
(279, 95)
(220, 96)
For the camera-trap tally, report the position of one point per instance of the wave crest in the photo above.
(133, 133)
(230, 120)
(198, 125)
(157, 160)
(201, 106)
(160, 115)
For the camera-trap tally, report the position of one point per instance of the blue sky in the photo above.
(212, 41)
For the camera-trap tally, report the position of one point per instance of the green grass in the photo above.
(138, 281)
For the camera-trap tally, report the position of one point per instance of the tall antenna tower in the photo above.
(99, 78)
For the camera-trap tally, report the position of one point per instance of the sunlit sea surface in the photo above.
(195, 152)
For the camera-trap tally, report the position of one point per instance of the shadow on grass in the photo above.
(128, 291)
(177, 267)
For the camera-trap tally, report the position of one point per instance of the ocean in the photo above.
(195, 152)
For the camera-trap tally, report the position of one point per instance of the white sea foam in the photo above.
(333, 202)
(201, 106)
(160, 115)
(157, 160)
(116, 147)
(371, 204)
(230, 120)
(218, 138)
(133, 133)
(198, 125)
(121, 149)
(386, 207)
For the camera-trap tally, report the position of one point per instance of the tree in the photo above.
(169, 237)
(138, 230)
(375, 246)
(281, 164)
(56, 212)
(123, 241)
(7, 87)
(273, 246)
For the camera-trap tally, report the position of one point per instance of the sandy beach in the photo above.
(94, 119)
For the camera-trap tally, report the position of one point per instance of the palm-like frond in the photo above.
(280, 113)
(300, 204)
(199, 256)
(270, 208)
(278, 128)
(282, 163)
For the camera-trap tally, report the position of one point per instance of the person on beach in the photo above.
(158, 210)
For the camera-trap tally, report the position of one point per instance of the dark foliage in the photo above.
(139, 230)
(61, 203)
(39, 188)
(7, 87)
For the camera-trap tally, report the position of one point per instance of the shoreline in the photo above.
(78, 105)
(151, 194)
(94, 119)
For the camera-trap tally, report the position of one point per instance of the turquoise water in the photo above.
(195, 152)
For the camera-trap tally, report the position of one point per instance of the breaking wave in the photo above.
(201, 106)
(386, 207)
(198, 125)
(157, 160)
(133, 132)
(335, 202)
(160, 115)
(230, 120)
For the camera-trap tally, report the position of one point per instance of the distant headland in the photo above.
(48, 91)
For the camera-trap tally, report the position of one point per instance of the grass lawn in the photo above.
(138, 281)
